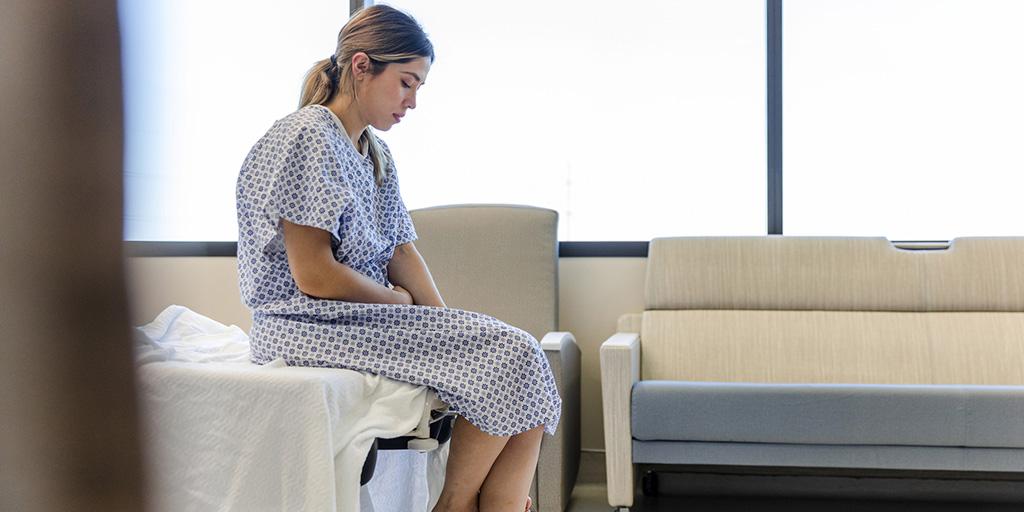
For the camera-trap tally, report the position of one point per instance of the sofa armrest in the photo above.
(559, 459)
(620, 369)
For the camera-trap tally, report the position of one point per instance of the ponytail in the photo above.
(318, 86)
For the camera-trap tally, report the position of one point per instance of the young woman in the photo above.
(328, 267)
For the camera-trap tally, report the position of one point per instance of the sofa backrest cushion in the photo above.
(834, 310)
(834, 274)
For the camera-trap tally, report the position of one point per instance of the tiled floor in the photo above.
(590, 494)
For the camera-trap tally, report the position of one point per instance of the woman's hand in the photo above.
(407, 267)
(402, 295)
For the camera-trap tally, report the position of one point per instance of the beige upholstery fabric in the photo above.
(822, 273)
(502, 260)
(834, 347)
(842, 310)
(503, 251)
(977, 274)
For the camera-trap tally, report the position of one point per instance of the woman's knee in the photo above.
(519, 341)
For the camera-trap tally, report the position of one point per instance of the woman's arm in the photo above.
(318, 274)
(408, 270)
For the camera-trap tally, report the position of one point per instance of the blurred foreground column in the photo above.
(68, 426)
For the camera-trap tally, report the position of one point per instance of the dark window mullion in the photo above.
(773, 10)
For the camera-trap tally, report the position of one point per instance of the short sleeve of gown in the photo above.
(309, 188)
(401, 222)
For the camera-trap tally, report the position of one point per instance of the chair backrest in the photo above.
(500, 260)
(841, 310)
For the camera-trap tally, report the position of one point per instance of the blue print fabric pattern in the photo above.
(307, 171)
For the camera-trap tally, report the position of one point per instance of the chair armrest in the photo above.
(620, 369)
(558, 341)
(559, 459)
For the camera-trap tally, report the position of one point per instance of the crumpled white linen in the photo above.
(223, 434)
(180, 334)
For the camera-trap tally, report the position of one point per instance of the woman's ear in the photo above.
(360, 65)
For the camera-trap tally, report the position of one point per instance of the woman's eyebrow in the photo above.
(414, 75)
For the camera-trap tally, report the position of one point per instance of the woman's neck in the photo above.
(348, 113)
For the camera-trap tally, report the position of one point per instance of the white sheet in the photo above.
(224, 434)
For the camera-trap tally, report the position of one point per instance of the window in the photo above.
(632, 123)
(203, 81)
(902, 119)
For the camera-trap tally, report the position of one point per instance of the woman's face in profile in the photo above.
(387, 97)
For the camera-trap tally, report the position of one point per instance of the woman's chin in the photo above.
(383, 127)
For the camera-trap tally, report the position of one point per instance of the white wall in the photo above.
(593, 292)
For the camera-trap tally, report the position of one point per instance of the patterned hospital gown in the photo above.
(306, 170)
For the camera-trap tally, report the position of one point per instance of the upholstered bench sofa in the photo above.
(819, 353)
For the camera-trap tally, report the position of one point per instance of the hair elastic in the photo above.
(332, 72)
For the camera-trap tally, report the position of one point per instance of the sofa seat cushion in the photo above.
(837, 414)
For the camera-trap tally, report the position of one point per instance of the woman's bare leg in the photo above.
(499, 468)
(470, 457)
(508, 482)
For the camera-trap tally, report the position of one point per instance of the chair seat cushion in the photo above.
(844, 414)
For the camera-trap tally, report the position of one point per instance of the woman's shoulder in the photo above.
(310, 117)
(304, 126)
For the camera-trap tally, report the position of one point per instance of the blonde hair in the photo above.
(386, 35)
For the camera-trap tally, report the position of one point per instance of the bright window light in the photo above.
(203, 81)
(632, 121)
(903, 118)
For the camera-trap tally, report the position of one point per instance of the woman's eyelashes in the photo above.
(406, 85)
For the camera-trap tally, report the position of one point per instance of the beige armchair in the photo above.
(502, 260)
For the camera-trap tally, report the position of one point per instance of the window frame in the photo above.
(597, 249)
